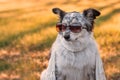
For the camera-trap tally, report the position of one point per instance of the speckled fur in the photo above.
(78, 58)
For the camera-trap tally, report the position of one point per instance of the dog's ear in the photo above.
(91, 13)
(59, 12)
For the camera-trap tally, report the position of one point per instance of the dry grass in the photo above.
(27, 32)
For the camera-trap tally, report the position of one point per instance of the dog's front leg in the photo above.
(60, 76)
(49, 73)
(100, 75)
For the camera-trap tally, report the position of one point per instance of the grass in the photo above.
(46, 43)
(107, 16)
(27, 33)
(107, 6)
(10, 38)
(4, 65)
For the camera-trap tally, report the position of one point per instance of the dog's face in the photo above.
(73, 25)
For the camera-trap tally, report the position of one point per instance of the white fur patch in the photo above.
(77, 59)
(84, 64)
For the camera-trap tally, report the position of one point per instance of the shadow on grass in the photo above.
(8, 11)
(70, 2)
(103, 7)
(4, 21)
(46, 43)
(20, 10)
(9, 39)
(115, 76)
(50, 3)
(114, 60)
(17, 13)
(4, 65)
(106, 17)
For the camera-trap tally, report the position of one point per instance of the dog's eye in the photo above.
(64, 26)
(59, 27)
(75, 28)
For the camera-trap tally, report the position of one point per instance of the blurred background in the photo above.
(27, 31)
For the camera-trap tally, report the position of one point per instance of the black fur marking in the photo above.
(49, 55)
(90, 15)
(59, 12)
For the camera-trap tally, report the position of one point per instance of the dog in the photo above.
(74, 54)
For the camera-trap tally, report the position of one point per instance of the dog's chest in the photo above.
(69, 62)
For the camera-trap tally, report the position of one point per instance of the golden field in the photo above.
(27, 31)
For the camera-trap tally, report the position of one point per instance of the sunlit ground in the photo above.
(27, 31)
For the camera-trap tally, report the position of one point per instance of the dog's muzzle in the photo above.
(67, 34)
(67, 37)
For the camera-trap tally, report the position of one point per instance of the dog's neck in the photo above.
(78, 45)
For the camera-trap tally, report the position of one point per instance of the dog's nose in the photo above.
(67, 37)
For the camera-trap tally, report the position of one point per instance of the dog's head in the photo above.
(73, 25)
